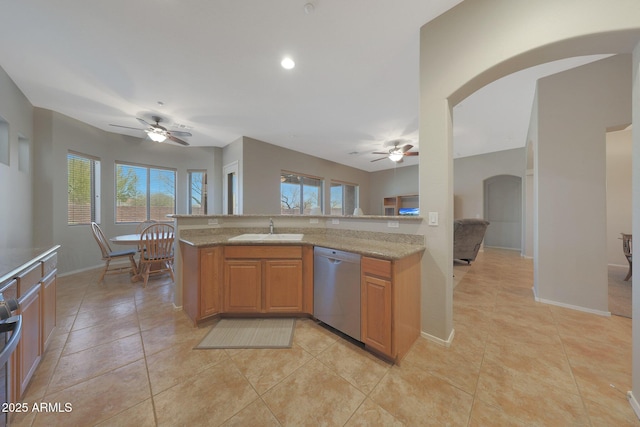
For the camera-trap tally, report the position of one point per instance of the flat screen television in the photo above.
(409, 211)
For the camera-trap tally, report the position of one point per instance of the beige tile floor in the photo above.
(123, 357)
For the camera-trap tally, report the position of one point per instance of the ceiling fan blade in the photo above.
(400, 161)
(143, 122)
(178, 140)
(381, 158)
(126, 127)
(412, 153)
(406, 148)
(381, 152)
(179, 133)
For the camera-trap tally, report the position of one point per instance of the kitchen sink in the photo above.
(276, 237)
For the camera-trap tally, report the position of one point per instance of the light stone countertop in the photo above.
(380, 245)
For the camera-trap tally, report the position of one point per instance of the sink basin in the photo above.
(283, 237)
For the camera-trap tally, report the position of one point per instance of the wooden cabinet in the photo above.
(390, 304)
(376, 313)
(242, 286)
(201, 281)
(264, 279)
(48, 308)
(35, 288)
(29, 348)
(283, 286)
(393, 205)
(48, 293)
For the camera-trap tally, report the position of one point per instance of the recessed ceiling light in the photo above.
(287, 63)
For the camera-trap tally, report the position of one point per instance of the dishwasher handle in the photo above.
(334, 261)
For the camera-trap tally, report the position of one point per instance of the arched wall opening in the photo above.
(470, 46)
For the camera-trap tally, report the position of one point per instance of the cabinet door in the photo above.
(376, 313)
(283, 286)
(243, 286)
(210, 279)
(29, 347)
(48, 308)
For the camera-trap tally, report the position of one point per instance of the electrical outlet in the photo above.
(213, 221)
(313, 220)
(335, 221)
(393, 224)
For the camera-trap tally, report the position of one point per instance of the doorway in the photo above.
(503, 209)
(230, 196)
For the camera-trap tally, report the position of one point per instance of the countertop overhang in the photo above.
(367, 246)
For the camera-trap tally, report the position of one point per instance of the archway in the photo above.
(503, 209)
(470, 46)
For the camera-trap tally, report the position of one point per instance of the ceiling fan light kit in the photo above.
(156, 136)
(397, 152)
(158, 133)
(396, 157)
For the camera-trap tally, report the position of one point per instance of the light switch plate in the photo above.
(313, 220)
(213, 222)
(393, 224)
(433, 218)
(335, 221)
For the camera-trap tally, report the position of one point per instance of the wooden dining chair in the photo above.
(109, 255)
(144, 224)
(627, 245)
(156, 250)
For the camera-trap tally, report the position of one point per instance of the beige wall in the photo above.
(575, 109)
(261, 166)
(56, 135)
(16, 187)
(470, 172)
(398, 181)
(618, 193)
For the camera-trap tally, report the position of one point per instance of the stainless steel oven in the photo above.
(10, 333)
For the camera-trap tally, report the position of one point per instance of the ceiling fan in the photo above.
(158, 133)
(397, 152)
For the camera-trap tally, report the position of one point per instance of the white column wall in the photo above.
(575, 109)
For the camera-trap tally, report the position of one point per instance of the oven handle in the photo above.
(11, 345)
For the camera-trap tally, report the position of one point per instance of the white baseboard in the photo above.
(618, 265)
(81, 270)
(439, 341)
(573, 307)
(634, 403)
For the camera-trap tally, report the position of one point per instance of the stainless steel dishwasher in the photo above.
(336, 289)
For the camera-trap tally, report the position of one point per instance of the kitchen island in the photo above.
(222, 276)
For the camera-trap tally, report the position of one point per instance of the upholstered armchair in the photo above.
(467, 238)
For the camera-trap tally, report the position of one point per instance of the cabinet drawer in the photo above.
(29, 278)
(9, 289)
(263, 252)
(376, 267)
(49, 264)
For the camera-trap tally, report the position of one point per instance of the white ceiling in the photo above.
(215, 64)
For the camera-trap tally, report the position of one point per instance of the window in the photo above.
(144, 192)
(344, 198)
(197, 192)
(299, 193)
(83, 181)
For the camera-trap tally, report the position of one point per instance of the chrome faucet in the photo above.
(270, 225)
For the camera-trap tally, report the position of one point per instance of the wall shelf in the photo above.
(391, 205)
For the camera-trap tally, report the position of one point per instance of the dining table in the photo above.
(129, 239)
(126, 239)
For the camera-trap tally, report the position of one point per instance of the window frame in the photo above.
(343, 201)
(285, 176)
(94, 179)
(147, 190)
(203, 191)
